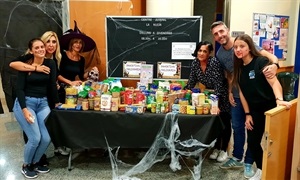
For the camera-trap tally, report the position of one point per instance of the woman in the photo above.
(31, 107)
(72, 64)
(263, 94)
(52, 47)
(207, 70)
(52, 52)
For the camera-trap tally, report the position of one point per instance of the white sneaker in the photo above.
(214, 154)
(62, 150)
(222, 156)
(257, 175)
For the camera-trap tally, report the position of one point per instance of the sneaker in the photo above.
(40, 169)
(28, 172)
(232, 163)
(214, 154)
(62, 151)
(222, 156)
(248, 171)
(257, 175)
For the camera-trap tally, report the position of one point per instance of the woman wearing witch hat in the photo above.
(73, 42)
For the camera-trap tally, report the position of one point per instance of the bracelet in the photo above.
(247, 113)
(277, 65)
(279, 99)
(35, 68)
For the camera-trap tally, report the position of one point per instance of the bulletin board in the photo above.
(152, 40)
(271, 33)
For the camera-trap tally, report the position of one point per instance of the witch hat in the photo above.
(65, 39)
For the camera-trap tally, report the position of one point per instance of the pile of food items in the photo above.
(159, 97)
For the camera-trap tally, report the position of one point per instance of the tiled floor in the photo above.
(93, 164)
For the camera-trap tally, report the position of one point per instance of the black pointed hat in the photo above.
(65, 39)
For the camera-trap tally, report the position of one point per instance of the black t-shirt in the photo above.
(69, 69)
(254, 85)
(37, 84)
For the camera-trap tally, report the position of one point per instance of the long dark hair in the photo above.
(238, 62)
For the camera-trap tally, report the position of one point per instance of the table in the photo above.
(88, 129)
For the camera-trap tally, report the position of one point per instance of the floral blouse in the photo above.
(212, 78)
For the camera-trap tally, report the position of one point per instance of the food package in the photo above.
(134, 109)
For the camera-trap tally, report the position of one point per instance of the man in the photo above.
(224, 54)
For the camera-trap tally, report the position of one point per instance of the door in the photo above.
(277, 142)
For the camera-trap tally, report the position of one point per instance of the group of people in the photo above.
(243, 76)
(49, 64)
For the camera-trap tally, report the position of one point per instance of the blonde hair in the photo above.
(45, 37)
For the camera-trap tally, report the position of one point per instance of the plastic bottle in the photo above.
(159, 96)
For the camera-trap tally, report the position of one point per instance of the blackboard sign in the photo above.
(151, 39)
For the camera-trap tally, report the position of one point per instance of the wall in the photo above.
(241, 16)
(206, 9)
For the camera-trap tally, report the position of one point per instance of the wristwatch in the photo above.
(277, 65)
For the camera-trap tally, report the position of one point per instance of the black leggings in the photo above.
(254, 137)
(224, 137)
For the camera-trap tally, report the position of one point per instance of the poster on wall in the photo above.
(167, 70)
(271, 33)
(132, 69)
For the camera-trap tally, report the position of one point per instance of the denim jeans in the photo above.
(37, 133)
(238, 126)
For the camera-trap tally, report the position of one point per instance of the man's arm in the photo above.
(270, 70)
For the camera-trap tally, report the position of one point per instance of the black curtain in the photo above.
(21, 21)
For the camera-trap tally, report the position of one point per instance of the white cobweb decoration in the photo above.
(166, 143)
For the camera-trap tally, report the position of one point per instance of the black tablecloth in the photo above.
(88, 129)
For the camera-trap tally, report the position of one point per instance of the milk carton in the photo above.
(214, 104)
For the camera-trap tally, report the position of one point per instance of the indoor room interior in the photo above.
(18, 26)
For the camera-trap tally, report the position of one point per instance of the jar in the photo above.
(97, 102)
(206, 108)
(91, 103)
(199, 109)
(153, 107)
(85, 105)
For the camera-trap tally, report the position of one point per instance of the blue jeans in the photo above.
(238, 126)
(37, 133)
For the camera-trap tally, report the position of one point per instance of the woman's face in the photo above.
(38, 49)
(241, 49)
(77, 45)
(51, 45)
(203, 53)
